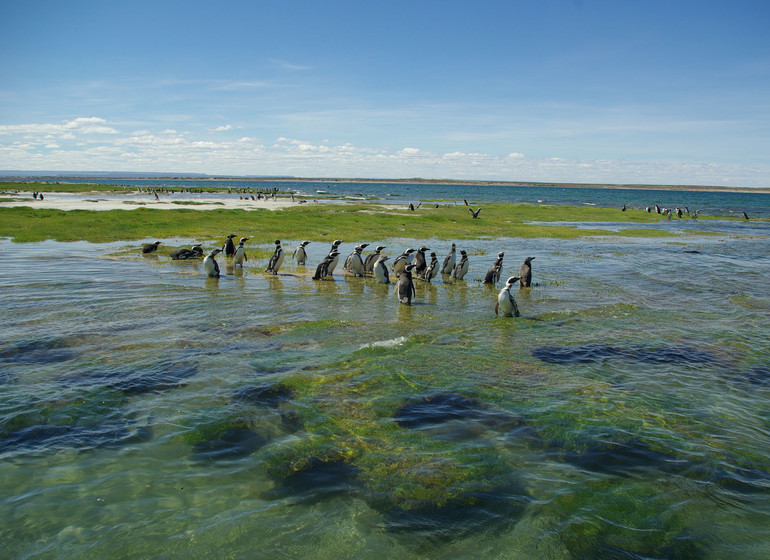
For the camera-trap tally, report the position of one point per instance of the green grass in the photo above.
(29, 186)
(319, 222)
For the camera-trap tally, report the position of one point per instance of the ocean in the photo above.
(147, 411)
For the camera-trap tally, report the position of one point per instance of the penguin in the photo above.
(355, 262)
(419, 261)
(333, 263)
(148, 248)
(184, 254)
(405, 287)
(525, 273)
(431, 271)
(493, 274)
(474, 214)
(380, 270)
(505, 303)
(300, 255)
(277, 259)
(745, 215)
(462, 267)
(402, 261)
(322, 270)
(229, 247)
(240, 253)
(210, 263)
(449, 261)
(371, 258)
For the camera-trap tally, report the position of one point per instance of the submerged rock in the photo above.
(230, 443)
(620, 457)
(160, 376)
(596, 352)
(758, 375)
(41, 351)
(264, 395)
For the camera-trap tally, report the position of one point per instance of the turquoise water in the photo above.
(147, 411)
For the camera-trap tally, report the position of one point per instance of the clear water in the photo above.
(147, 411)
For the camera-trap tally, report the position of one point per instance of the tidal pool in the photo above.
(149, 411)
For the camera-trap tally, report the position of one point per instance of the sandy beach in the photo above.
(131, 201)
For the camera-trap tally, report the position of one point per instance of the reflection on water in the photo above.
(148, 410)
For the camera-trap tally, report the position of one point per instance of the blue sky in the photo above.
(662, 92)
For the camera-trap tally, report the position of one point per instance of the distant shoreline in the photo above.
(48, 179)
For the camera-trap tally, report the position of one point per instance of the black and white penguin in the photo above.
(405, 286)
(380, 270)
(300, 255)
(322, 270)
(462, 267)
(277, 259)
(505, 303)
(210, 264)
(493, 274)
(431, 271)
(240, 253)
(525, 273)
(229, 247)
(402, 261)
(148, 248)
(449, 261)
(371, 258)
(194, 252)
(420, 263)
(354, 264)
(333, 263)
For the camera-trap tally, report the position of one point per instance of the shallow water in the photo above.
(148, 411)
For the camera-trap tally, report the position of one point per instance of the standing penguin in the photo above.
(449, 261)
(371, 258)
(419, 261)
(240, 253)
(277, 259)
(355, 262)
(300, 255)
(432, 269)
(493, 274)
(229, 248)
(525, 273)
(333, 263)
(210, 264)
(405, 286)
(381, 271)
(462, 267)
(148, 248)
(505, 303)
(322, 270)
(402, 261)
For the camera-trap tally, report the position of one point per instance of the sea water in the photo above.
(147, 411)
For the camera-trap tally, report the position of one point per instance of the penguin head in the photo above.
(363, 246)
(277, 241)
(305, 243)
(231, 236)
(215, 252)
(529, 260)
(423, 249)
(409, 251)
(500, 255)
(383, 258)
(409, 268)
(380, 248)
(337, 242)
(512, 280)
(244, 239)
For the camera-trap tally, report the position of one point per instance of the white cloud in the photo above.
(222, 128)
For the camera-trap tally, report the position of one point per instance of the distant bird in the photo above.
(462, 267)
(474, 214)
(240, 253)
(148, 248)
(505, 303)
(493, 274)
(194, 252)
(449, 261)
(411, 207)
(623, 209)
(300, 255)
(381, 271)
(276, 260)
(322, 270)
(525, 273)
(229, 247)
(210, 263)
(745, 215)
(405, 286)
(372, 257)
(466, 202)
(402, 261)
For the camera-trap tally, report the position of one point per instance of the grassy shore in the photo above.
(319, 222)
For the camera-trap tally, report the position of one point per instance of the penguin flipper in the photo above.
(497, 305)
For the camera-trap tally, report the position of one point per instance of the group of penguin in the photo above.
(408, 265)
